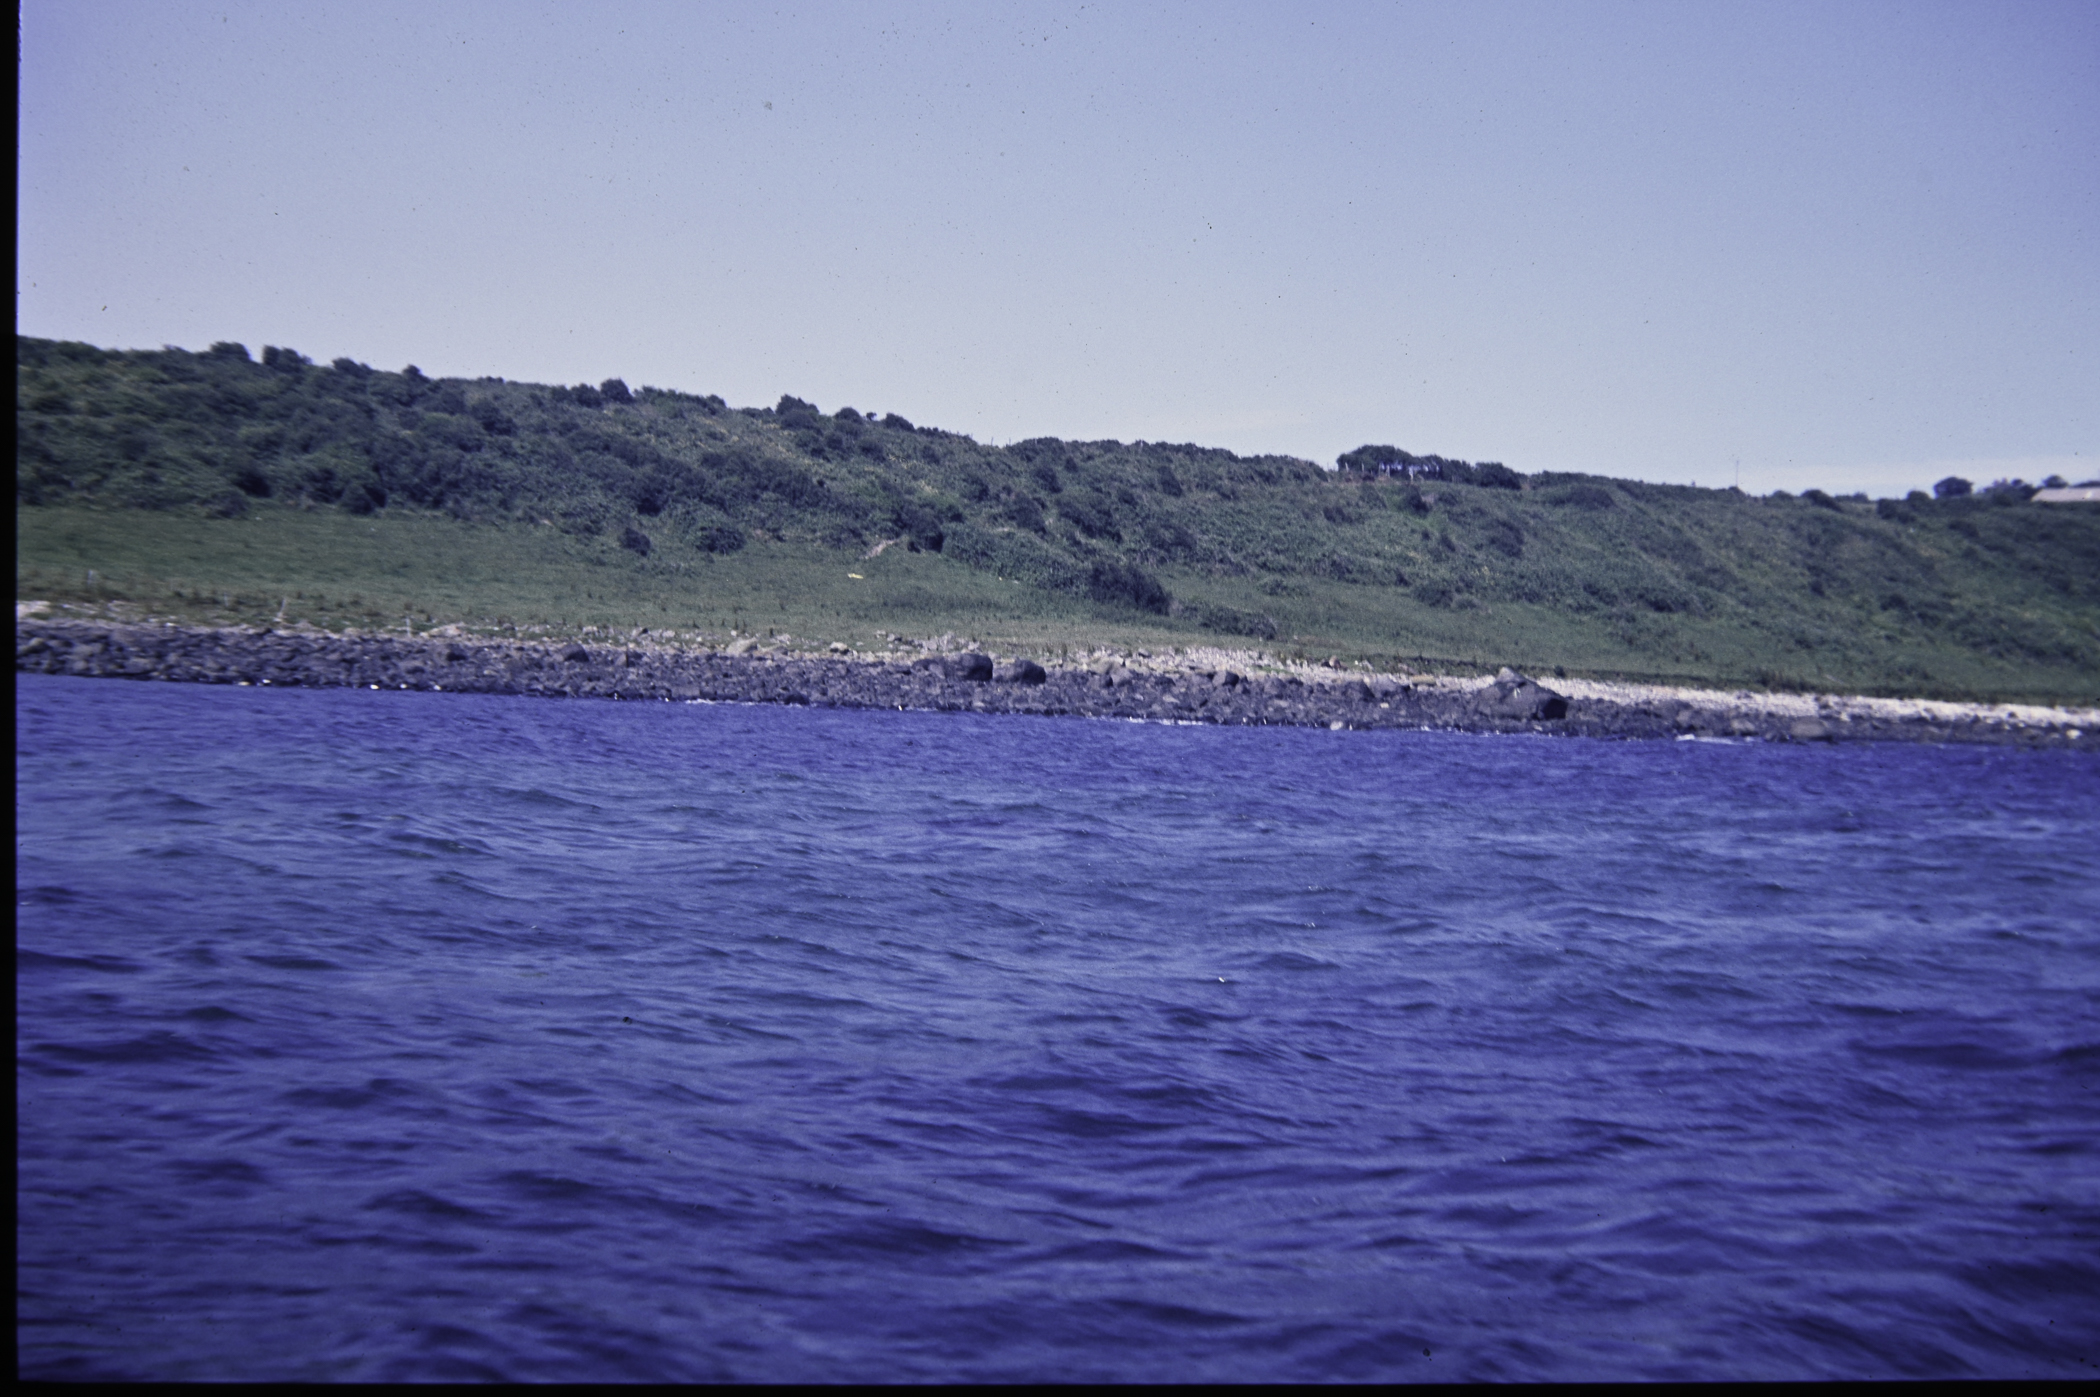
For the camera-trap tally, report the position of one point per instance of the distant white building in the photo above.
(2069, 494)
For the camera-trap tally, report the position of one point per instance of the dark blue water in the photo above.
(394, 1035)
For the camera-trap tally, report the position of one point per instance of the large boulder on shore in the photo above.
(1021, 671)
(971, 666)
(1514, 695)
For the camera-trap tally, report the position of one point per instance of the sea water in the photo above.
(423, 1036)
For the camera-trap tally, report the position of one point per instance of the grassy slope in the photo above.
(504, 504)
(340, 571)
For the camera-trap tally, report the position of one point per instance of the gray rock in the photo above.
(971, 666)
(1513, 695)
(552, 669)
(1021, 671)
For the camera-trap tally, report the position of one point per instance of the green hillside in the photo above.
(211, 485)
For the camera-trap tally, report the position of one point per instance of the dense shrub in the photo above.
(1373, 460)
(1582, 496)
(1953, 487)
(1019, 556)
(767, 475)
(796, 415)
(1439, 592)
(1025, 511)
(1347, 567)
(651, 491)
(1110, 580)
(1505, 536)
(1091, 514)
(919, 523)
(1167, 537)
(458, 433)
(719, 538)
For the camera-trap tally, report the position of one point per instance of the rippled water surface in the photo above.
(392, 1035)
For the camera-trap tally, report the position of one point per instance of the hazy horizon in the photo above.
(1783, 244)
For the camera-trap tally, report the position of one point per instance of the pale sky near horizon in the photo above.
(1849, 245)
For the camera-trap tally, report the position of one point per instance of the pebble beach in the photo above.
(1196, 685)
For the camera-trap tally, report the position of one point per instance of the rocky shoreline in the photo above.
(1201, 688)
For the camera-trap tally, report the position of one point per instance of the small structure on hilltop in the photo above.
(1374, 461)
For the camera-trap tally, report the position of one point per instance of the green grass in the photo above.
(286, 565)
(341, 572)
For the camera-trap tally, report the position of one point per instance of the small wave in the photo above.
(888, 1240)
(1172, 1316)
(334, 1098)
(156, 1047)
(1109, 1250)
(1294, 961)
(107, 965)
(2026, 1282)
(293, 962)
(417, 1203)
(218, 1171)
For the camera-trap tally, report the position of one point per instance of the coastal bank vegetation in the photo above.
(220, 486)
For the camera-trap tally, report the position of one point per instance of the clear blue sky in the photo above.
(1853, 245)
